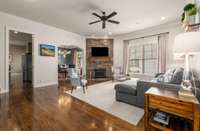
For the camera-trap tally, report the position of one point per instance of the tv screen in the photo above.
(99, 51)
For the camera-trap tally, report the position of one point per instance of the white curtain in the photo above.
(126, 57)
(162, 51)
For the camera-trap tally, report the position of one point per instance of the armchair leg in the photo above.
(84, 89)
(72, 89)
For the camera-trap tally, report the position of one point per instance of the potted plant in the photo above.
(188, 16)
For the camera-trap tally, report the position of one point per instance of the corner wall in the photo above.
(44, 68)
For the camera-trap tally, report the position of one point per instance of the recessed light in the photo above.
(31, 0)
(137, 23)
(109, 33)
(163, 18)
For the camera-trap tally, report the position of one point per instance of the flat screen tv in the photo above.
(99, 51)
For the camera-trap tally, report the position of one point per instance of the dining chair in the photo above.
(76, 80)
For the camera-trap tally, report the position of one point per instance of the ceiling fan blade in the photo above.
(111, 15)
(95, 14)
(104, 24)
(113, 21)
(94, 22)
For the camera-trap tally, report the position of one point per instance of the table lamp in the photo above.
(186, 46)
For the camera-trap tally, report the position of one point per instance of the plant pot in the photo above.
(197, 19)
(192, 19)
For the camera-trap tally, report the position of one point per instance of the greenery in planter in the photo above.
(190, 10)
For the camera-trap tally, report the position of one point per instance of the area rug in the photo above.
(102, 96)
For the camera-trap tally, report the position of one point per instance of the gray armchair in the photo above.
(117, 73)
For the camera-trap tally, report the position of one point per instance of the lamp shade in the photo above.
(187, 43)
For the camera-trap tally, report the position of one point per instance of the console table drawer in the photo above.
(174, 106)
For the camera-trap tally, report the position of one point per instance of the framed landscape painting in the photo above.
(47, 50)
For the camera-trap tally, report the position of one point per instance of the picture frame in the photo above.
(47, 50)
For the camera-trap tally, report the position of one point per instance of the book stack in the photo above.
(162, 118)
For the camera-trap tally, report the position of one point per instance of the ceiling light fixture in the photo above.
(31, 0)
(104, 19)
(163, 18)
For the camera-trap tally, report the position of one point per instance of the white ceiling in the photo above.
(74, 15)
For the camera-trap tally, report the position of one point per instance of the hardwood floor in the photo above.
(51, 109)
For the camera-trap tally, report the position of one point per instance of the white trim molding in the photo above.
(46, 84)
(6, 54)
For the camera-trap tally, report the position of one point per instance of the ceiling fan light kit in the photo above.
(105, 18)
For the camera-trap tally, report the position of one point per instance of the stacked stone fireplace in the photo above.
(99, 67)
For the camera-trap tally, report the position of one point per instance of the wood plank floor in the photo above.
(50, 109)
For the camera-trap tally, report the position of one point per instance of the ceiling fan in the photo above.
(105, 19)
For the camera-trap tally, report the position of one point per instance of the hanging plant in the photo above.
(189, 10)
(183, 17)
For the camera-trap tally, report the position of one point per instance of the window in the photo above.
(150, 59)
(135, 61)
(143, 56)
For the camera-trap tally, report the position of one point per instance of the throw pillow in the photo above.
(177, 77)
(168, 76)
(160, 78)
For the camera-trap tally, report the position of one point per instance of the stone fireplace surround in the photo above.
(94, 64)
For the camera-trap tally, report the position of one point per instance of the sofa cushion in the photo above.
(167, 77)
(131, 82)
(177, 76)
(124, 88)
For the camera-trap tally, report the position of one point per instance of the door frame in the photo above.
(6, 66)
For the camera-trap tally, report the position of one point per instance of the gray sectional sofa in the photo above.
(132, 92)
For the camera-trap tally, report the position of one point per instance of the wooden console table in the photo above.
(168, 101)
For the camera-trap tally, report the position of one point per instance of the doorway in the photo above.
(20, 60)
(69, 57)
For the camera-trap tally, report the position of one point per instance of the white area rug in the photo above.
(102, 96)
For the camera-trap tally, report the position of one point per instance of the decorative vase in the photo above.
(197, 2)
(192, 19)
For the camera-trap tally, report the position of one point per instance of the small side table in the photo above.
(168, 101)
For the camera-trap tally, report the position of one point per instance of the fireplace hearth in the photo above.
(100, 73)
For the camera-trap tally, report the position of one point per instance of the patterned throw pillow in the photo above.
(177, 76)
(168, 76)
(160, 78)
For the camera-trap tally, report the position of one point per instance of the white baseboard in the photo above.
(16, 74)
(45, 84)
(3, 91)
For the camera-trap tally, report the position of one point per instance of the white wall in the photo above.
(45, 68)
(173, 28)
(118, 52)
